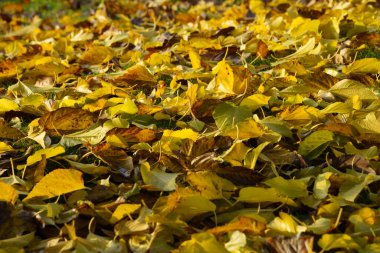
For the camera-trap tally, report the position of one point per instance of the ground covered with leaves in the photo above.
(189, 126)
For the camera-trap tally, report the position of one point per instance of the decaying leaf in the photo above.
(66, 120)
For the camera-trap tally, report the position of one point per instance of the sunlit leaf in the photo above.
(367, 65)
(202, 243)
(48, 152)
(8, 193)
(292, 188)
(57, 182)
(347, 88)
(7, 105)
(336, 241)
(66, 120)
(258, 194)
(124, 210)
(224, 77)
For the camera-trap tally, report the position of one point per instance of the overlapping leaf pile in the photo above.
(191, 126)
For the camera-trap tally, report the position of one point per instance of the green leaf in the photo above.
(293, 188)
(321, 226)
(315, 144)
(370, 124)
(258, 194)
(337, 107)
(277, 125)
(160, 180)
(337, 241)
(209, 184)
(348, 88)
(92, 135)
(251, 157)
(322, 185)
(18, 241)
(285, 225)
(354, 184)
(227, 115)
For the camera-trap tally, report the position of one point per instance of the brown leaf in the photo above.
(66, 121)
(302, 244)
(204, 108)
(134, 134)
(9, 132)
(7, 69)
(137, 74)
(243, 224)
(262, 49)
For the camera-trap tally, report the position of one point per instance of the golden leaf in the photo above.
(8, 193)
(57, 182)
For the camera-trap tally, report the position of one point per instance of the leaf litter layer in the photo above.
(190, 126)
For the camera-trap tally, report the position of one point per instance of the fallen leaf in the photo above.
(55, 183)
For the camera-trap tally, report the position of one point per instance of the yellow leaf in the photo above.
(135, 73)
(7, 105)
(245, 130)
(127, 107)
(7, 69)
(181, 134)
(224, 77)
(235, 155)
(195, 59)
(5, 147)
(48, 152)
(159, 59)
(300, 26)
(210, 185)
(367, 65)
(124, 210)
(8, 193)
(57, 182)
(66, 120)
(97, 55)
(301, 114)
(255, 101)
